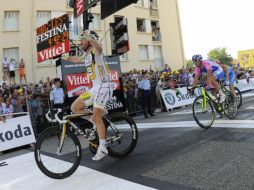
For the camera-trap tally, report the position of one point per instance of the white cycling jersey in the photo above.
(97, 69)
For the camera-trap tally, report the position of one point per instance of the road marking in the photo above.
(247, 95)
(217, 123)
(250, 108)
(22, 173)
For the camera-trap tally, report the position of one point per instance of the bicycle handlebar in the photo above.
(57, 118)
(48, 118)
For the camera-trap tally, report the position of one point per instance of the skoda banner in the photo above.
(16, 132)
(178, 98)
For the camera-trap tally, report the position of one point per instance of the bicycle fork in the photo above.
(61, 140)
(204, 101)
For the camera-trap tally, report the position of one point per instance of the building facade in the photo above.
(153, 28)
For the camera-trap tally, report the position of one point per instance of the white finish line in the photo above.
(22, 173)
(217, 123)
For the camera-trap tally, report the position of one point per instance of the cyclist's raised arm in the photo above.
(93, 42)
(74, 59)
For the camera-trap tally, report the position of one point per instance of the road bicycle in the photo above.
(205, 105)
(58, 149)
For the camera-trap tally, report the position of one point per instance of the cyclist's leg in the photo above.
(215, 78)
(231, 83)
(85, 99)
(100, 100)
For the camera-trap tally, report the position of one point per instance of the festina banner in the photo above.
(16, 132)
(53, 51)
(53, 38)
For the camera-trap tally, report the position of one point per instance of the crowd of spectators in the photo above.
(12, 96)
(163, 79)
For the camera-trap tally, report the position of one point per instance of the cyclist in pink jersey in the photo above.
(213, 72)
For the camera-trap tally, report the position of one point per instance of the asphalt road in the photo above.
(185, 157)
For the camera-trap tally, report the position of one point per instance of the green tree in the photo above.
(189, 63)
(220, 54)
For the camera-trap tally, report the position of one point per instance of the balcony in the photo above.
(154, 11)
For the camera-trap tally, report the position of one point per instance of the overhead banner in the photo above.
(53, 38)
(82, 5)
(246, 58)
(16, 132)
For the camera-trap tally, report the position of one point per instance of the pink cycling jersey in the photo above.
(208, 65)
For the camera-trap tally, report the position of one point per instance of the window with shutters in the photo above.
(11, 20)
(143, 52)
(11, 53)
(96, 23)
(141, 25)
(42, 17)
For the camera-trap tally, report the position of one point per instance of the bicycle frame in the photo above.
(67, 121)
(206, 95)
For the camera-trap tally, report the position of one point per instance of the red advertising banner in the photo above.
(79, 8)
(78, 83)
(114, 78)
(53, 51)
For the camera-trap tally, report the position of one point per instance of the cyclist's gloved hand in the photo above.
(191, 91)
(209, 87)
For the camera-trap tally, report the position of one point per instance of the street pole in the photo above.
(85, 19)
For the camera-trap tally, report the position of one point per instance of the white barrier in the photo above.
(172, 99)
(16, 132)
(243, 85)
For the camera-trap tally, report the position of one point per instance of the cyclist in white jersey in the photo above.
(101, 91)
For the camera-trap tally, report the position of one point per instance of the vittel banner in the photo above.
(16, 132)
(77, 84)
(53, 38)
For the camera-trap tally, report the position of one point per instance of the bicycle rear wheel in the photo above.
(52, 161)
(229, 106)
(238, 97)
(203, 112)
(122, 135)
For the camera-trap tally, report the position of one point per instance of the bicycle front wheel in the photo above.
(122, 135)
(55, 159)
(203, 112)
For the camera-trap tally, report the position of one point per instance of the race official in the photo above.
(57, 95)
(145, 87)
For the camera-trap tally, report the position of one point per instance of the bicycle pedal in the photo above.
(93, 144)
